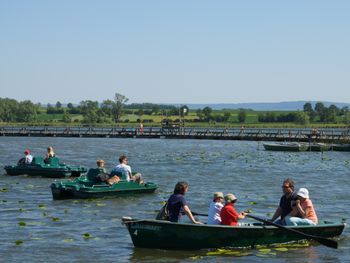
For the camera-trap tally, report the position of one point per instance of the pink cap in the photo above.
(27, 152)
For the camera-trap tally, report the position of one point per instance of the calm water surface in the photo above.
(34, 228)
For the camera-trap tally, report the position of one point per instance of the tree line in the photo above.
(111, 111)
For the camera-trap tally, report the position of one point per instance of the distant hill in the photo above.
(268, 106)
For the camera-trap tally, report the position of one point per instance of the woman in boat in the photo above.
(50, 153)
(177, 202)
(303, 212)
(215, 209)
(229, 215)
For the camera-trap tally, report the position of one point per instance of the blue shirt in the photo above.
(175, 203)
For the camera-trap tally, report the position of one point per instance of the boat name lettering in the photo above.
(146, 227)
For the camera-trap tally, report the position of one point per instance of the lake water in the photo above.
(35, 228)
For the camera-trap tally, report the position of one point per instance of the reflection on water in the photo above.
(91, 230)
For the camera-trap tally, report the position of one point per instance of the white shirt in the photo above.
(28, 159)
(214, 213)
(124, 168)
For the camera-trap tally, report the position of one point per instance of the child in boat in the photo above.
(215, 208)
(303, 212)
(50, 153)
(103, 176)
(229, 215)
(27, 159)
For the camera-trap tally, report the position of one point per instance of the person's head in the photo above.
(122, 159)
(230, 198)
(288, 186)
(100, 163)
(27, 152)
(49, 149)
(181, 188)
(218, 197)
(303, 194)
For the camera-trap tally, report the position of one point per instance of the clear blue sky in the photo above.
(175, 51)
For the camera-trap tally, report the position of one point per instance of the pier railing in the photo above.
(337, 135)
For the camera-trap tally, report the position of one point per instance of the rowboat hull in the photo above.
(168, 235)
(77, 189)
(286, 147)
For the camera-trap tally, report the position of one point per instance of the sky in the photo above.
(183, 51)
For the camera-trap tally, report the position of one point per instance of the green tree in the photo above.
(227, 116)
(66, 117)
(302, 118)
(120, 101)
(58, 105)
(309, 110)
(241, 116)
(207, 111)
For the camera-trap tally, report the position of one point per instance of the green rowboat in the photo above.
(87, 187)
(38, 167)
(340, 147)
(168, 235)
(319, 147)
(286, 146)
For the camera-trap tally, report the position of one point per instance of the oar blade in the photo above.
(327, 242)
(322, 240)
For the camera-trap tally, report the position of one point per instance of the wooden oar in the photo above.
(324, 241)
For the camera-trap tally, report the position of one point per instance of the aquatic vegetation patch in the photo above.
(22, 224)
(18, 242)
(87, 236)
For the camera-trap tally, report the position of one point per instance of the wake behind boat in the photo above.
(168, 235)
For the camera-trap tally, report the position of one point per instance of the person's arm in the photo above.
(276, 214)
(190, 216)
(301, 211)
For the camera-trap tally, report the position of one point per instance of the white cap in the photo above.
(303, 192)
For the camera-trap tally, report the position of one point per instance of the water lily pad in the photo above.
(68, 240)
(55, 219)
(18, 242)
(265, 250)
(87, 236)
(4, 190)
(22, 224)
(281, 249)
(42, 206)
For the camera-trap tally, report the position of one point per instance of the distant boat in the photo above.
(286, 146)
(341, 147)
(319, 147)
(168, 235)
(38, 167)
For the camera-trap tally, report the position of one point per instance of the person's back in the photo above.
(28, 157)
(123, 169)
(215, 207)
(175, 203)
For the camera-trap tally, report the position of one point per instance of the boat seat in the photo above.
(38, 161)
(54, 161)
(92, 173)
